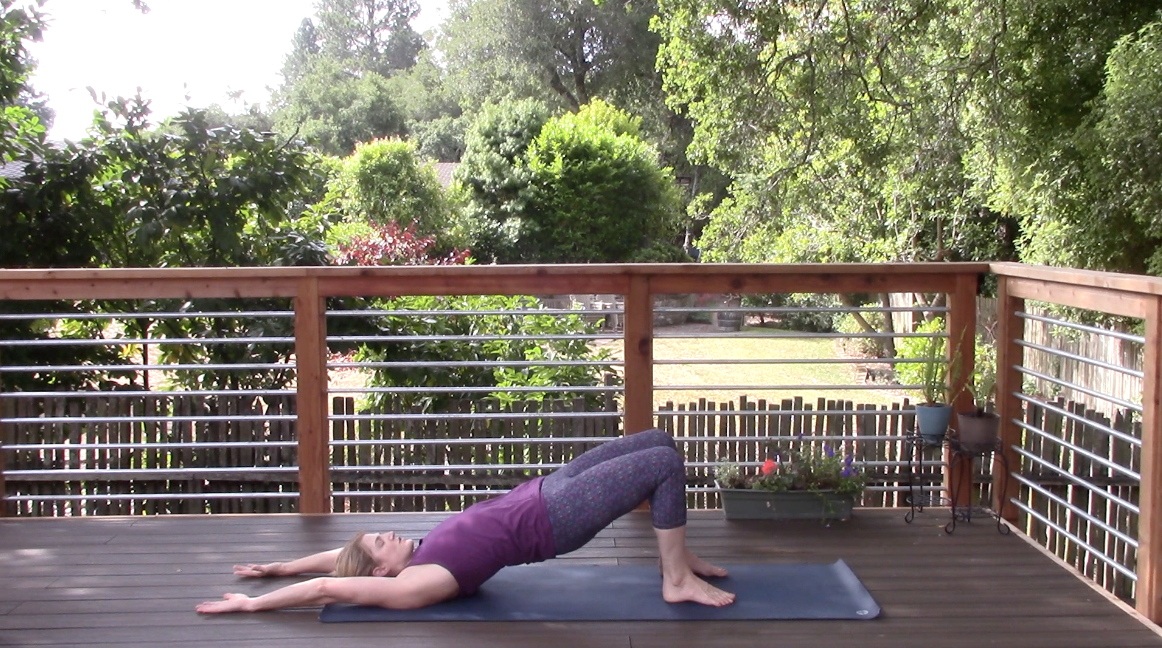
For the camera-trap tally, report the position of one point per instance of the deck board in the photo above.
(133, 582)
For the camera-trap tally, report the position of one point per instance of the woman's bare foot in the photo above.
(694, 589)
(700, 567)
(703, 568)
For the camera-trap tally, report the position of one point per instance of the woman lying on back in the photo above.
(538, 520)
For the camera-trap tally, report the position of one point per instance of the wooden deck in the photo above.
(134, 582)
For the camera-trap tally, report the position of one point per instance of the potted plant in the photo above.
(934, 414)
(816, 483)
(978, 428)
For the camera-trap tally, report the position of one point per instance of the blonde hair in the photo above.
(353, 559)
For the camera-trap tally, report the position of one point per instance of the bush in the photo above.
(596, 194)
(487, 352)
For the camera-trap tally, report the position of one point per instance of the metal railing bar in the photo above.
(149, 341)
(143, 315)
(159, 394)
(1129, 506)
(598, 439)
(37, 420)
(472, 416)
(868, 489)
(1035, 431)
(71, 474)
(143, 367)
(1129, 337)
(467, 338)
(778, 412)
(1076, 509)
(1080, 358)
(798, 309)
(1096, 425)
(486, 390)
(789, 335)
(519, 312)
(97, 497)
(718, 388)
(786, 361)
(1081, 451)
(1082, 390)
(475, 363)
(444, 492)
(1097, 554)
(149, 446)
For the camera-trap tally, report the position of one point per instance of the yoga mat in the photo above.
(554, 592)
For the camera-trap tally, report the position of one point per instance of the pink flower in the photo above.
(769, 466)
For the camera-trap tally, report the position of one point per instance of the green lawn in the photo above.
(774, 345)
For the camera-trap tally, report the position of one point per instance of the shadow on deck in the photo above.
(134, 582)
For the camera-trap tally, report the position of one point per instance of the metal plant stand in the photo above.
(959, 454)
(919, 498)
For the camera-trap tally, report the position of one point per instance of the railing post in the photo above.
(311, 399)
(962, 359)
(1148, 591)
(3, 489)
(1010, 355)
(639, 356)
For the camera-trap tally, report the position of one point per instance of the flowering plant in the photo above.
(813, 469)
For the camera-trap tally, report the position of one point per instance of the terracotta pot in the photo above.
(978, 431)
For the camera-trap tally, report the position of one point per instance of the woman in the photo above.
(540, 519)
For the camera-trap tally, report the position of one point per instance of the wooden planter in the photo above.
(750, 504)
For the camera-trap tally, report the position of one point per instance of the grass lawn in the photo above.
(774, 344)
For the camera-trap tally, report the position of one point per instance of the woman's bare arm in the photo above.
(415, 587)
(320, 563)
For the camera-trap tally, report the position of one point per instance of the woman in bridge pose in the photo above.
(540, 519)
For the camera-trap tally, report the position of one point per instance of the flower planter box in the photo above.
(751, 504)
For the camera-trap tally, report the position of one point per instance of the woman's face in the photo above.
(390, 552)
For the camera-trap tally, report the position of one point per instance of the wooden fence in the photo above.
(873, 435)
(266, 451)
(1085, 469)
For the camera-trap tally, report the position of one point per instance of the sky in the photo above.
(181, 53)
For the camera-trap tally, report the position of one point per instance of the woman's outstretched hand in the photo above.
(229, 603)
(258, 571)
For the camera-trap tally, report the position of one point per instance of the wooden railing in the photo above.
(309, 287)
(1123, 295)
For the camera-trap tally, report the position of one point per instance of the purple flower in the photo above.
(846, 472)
(830, 451)
(847, 460)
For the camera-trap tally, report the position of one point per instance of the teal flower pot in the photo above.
(932, 421)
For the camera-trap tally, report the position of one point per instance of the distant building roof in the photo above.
(444, 172)
(12, 170)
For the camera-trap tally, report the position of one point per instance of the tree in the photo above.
(369, 35)
(586, 188)
(334, 109)
(304, 48)
(384, 182)
(570, 50)
(492, 177)
(1054, 147)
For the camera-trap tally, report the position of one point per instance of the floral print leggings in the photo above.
(599, 486)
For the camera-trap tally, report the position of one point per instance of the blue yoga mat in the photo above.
(553, 592)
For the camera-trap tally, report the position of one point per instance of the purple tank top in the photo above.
(474, 544)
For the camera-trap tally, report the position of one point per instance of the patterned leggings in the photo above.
(601, 485)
